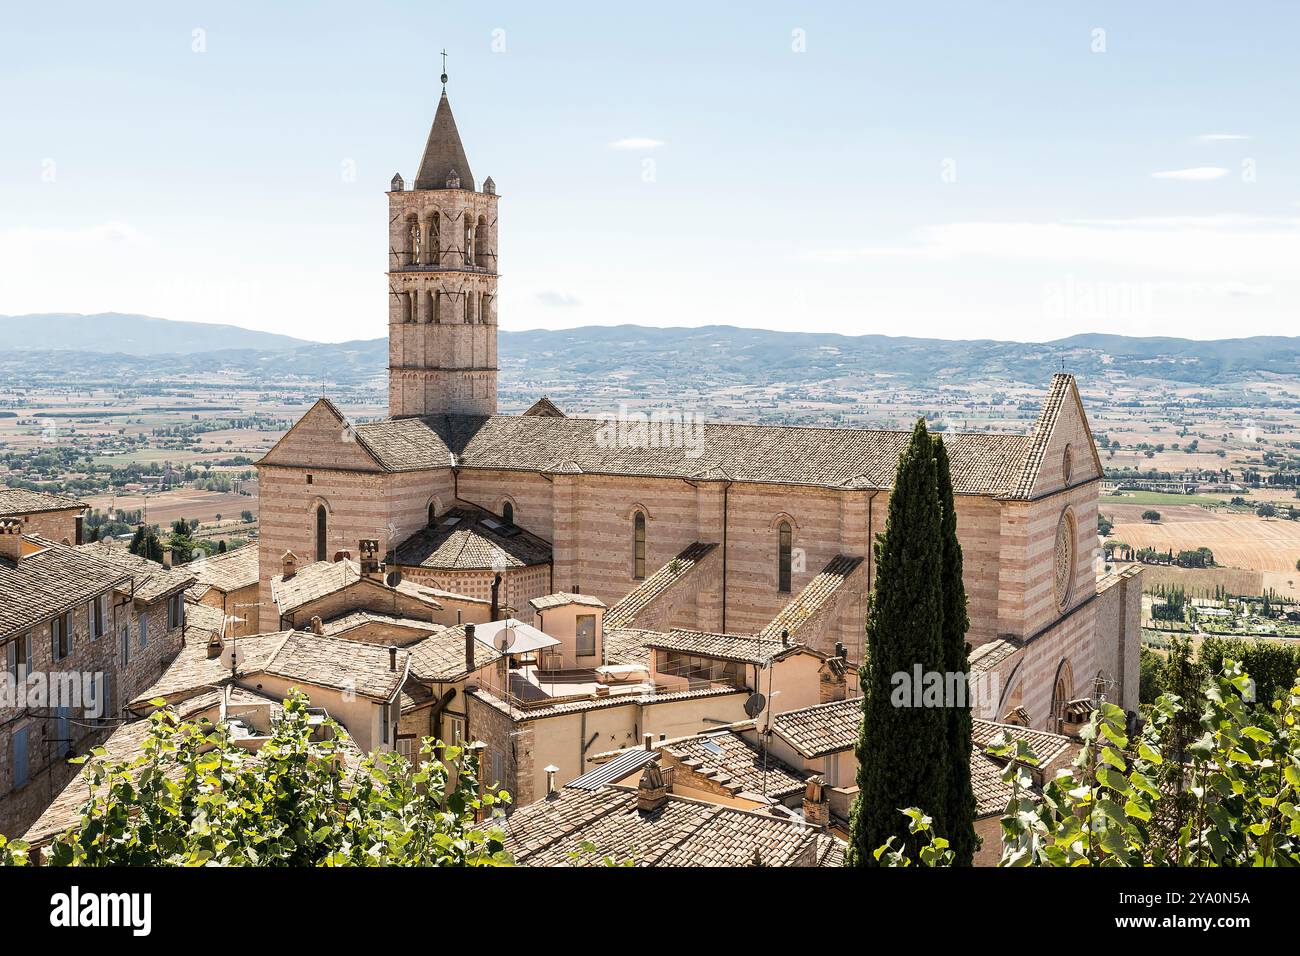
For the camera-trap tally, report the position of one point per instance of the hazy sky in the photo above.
(959, 169)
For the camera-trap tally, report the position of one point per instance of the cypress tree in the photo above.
(903, 748)
(960, 809)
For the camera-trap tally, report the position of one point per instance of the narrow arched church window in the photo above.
(413, 242)
(783, 549)
(480, 242)
(322, 533)
(432, 517)
(638, 546)
(508, 513)
(469, 242)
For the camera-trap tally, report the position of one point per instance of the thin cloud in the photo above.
(637, 142)
(1197, 174)
(558, 300)
(1221, 137)
(1250, 250)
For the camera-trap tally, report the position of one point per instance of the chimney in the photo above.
(649, 741)
(841, 650)
(469, 647)
(288, 565)
(81, 528)
(495, 612)
(215, 647)
(392, 657)
(368, 548)
(11, 539)
(551, 771)
(651, 791)
(816, 802)
(167, 556)
(317, 625)
(785, 637)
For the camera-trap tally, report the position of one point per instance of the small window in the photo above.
(144, 631)
(508, 513)
(18, 757)
(498, 768)
(18, 656)
(99, 617)
(432, 516)
(638, 546)
(455, 730)
(384, 719)
(61, 637)
(469, 307)
(783, 557)
(586, 644)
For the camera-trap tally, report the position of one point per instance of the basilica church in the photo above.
(753, 532)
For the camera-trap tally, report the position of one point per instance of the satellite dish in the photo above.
(394, 578)
(755, 704)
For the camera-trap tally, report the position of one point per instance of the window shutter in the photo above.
(144, 631)
(11, 658)
(54, 638)
(27, 657)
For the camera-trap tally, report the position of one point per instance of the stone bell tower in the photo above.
(442, 283)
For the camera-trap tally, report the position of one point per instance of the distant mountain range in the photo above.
(712, 355)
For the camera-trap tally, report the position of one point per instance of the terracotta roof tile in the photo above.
(682, 832)
(20, 501)
(982, 463)
(822, 588)
(52, 581)
(462, 539)
(821, 729)
(625, 611)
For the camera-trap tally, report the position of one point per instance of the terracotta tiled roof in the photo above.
(441, 655)
(341, 626)
(193, 672)
(992, 793)
(821, 729)
(822, 588)
(354, 666)
(50, 582)
(545, 407)
(19, 501)
(732, 762)
(623, 613)
(227, 572)
(1047, 747)
(830, 850)
(321, 578)
(465, 540)
(549, 602)
(626, 645)
(151, 581)
(682, 832)
(202, 622)
(745, 648)
(982, 463)
(988, 656)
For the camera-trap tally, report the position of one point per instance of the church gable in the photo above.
(322, 438)
(1062, 451)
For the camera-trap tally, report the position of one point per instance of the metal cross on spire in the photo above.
(444, 71)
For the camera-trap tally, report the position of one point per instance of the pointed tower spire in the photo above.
(443, 151)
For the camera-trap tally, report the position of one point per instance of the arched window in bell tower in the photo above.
(469, 306)
(432, 241)
(480, 242)
(413, 242)
(469, 241)
(437, 306)
(484, 305)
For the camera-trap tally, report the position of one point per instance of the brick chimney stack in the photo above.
(817, 803)
(469, 647)
(11, 539)
(652, 790)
